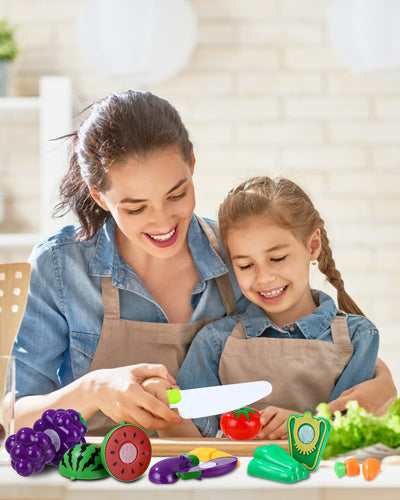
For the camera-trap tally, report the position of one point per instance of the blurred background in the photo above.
(302, 88)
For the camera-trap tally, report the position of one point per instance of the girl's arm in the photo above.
(374, 395)
(117, 392)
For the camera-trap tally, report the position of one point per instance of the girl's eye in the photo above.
(177, 196)
(135, 212)
(279, 259)
(243, 268)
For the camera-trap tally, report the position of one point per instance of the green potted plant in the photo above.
(8, 52)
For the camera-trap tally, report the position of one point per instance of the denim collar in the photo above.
(107, 261)
(256, 322)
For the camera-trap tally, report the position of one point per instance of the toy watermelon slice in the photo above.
(126, 452)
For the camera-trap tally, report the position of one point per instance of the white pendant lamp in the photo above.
(148, 40)
(366, 35)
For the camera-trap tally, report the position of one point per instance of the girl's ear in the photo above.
(96, 195)
(314, 244)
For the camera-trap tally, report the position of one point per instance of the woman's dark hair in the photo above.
(121, 126)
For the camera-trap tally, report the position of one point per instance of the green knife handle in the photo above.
(174, 396)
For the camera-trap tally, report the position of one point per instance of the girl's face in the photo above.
(272, 268)
(152, 201)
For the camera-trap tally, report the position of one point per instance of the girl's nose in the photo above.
(265, 276)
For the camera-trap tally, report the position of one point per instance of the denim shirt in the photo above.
(201, 365)
(64, 313)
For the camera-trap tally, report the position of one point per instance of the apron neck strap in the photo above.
(340, 330)
(110, 298)
(223, 282)
(111, 293)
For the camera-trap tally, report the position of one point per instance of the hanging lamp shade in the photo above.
(148, 40)
(366, 35)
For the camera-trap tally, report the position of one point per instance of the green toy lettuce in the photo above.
(358, 428)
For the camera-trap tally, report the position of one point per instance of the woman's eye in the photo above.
(176, 197)
(279, 259)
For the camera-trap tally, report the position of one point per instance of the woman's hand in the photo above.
(273, 420)
(158, 387)
(374, 395)
(118, 392)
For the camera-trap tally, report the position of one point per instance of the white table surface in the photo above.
(323, 484)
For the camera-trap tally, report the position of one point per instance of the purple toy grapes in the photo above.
(52, 435)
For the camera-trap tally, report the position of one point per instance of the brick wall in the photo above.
(263, 93)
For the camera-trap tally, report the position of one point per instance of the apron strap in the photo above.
(223, 282)
(111, 293)
(340, 330)
(238, 331)
(110, 298)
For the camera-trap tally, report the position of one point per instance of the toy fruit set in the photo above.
(351, 467)
(307, 436)
(58, 438)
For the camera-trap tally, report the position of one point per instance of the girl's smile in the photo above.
(272, 268)
(269, 296)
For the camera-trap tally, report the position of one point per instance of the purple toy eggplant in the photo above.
(212, 468)
(164, 471)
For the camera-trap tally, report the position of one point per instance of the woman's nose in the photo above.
(161, 217)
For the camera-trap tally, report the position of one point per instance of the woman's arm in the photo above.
(117, 392)
(374, 395)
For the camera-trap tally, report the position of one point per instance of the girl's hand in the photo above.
(118, 393)
(273, 420)
(374, 395)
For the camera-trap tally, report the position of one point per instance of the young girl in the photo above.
(291, 335)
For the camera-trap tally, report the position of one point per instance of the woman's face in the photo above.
(151, 200)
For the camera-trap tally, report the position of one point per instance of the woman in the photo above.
(134, 282)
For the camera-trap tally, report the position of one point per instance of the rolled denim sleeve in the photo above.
(201, 365)
(43, 336)
(365, 339)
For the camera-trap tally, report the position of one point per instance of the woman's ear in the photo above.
(96, 195)
(192, 161)
(315, 244)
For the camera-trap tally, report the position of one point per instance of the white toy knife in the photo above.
(206, 401)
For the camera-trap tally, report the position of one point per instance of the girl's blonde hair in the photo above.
(288, 206)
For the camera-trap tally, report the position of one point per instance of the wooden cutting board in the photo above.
(165, 447)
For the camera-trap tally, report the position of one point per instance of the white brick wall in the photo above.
(263, 93)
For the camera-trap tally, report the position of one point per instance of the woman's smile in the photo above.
(164, 240)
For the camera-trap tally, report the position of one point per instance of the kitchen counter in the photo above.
(323, 484)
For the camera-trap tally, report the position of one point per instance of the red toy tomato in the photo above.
(242, 424)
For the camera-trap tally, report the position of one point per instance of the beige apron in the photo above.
(125, 342)
(302, 372)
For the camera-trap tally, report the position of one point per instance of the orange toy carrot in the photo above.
(371, 468)
(352, 466)
(349, 467)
